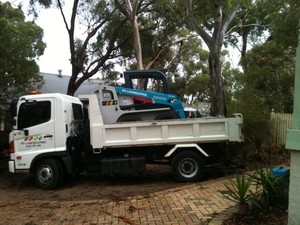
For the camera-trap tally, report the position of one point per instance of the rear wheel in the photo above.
(47, 174)
(187, 166)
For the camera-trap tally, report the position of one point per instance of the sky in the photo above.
(56, 55)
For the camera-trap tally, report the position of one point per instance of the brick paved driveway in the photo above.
(198, 203)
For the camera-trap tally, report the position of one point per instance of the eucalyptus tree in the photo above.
(131, 12)
(157, 29)
(211, 23)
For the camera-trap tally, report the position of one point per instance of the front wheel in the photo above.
(187, 166)
(47, 174)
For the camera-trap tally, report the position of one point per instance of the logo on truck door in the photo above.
(34, 141)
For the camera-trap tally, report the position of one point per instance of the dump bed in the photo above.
(147, 133)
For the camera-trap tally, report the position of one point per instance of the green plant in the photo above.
(239, 189)
(274, 189)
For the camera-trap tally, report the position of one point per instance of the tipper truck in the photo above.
(57, 135)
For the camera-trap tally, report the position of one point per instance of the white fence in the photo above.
(281, 122)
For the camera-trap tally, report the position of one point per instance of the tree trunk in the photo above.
(216, 85)
(214, 44)
(131, 9)
(244, 50)
(137, 45)
(72, 85)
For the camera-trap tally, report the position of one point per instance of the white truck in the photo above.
(56, 135)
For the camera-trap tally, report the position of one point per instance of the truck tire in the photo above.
(187, 166)
(47, 174)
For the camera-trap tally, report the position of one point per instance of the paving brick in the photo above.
(193, 204)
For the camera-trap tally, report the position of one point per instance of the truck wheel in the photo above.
(187, 166)
(47, 174)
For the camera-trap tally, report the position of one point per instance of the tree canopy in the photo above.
(171, 35)
(269, 66)
(20, 44)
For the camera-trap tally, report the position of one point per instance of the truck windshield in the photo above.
(33, 113)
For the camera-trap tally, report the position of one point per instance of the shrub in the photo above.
(239, 191)
(274, 189)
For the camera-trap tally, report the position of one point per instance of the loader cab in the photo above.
(147, 80)
(144, 96)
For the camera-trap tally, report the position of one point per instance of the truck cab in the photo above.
(42, 125)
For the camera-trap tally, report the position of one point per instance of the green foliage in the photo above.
(258, 21)
(268, 78)
(272, 75)
(198, 88)
(239, 189)
(193, 84)
(268, 190)
(20, 44)
(266, 82)
(265, 87)
(256, 119)
(283, 19)
(274, 189)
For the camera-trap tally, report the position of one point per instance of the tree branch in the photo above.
(199, 30)
(156, 57)
(87, 74)
(229, 18)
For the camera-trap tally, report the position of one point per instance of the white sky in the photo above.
(56, 55)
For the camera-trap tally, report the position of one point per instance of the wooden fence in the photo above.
(280, 123)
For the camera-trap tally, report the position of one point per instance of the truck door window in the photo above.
(33, 113)
(77, 111)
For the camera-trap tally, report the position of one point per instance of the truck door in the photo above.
(35, 128)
